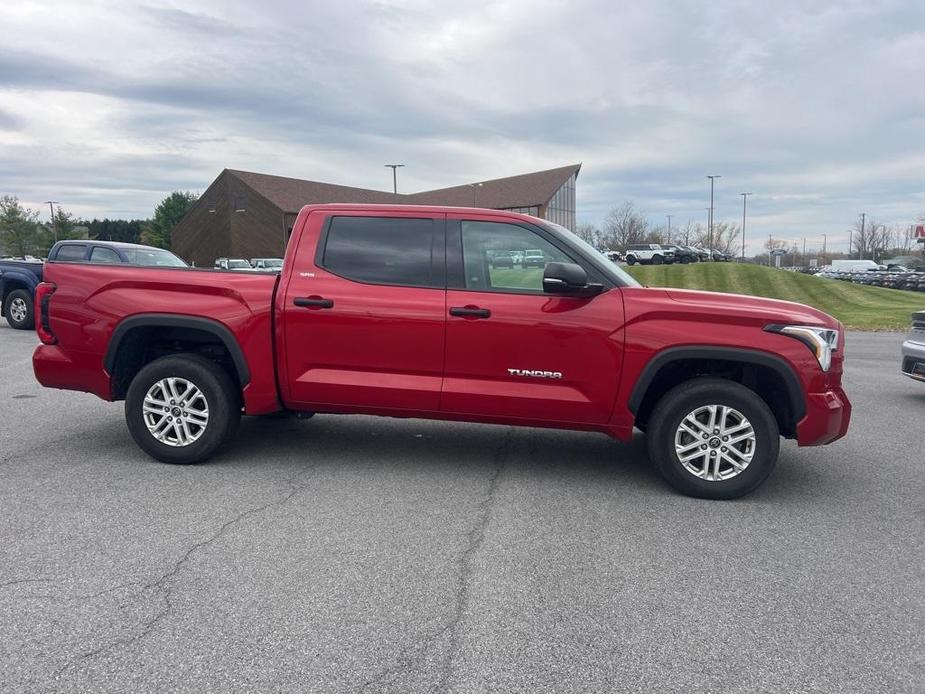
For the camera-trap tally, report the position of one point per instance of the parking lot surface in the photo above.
(366, 554)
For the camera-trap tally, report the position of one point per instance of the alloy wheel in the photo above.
(715, 442)
(176, 412)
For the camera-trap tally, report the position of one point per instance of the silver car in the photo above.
(914, 348)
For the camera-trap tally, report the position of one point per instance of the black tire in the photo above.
(685, 398)
(27, 321)
(631, 260)
(657, 260)
(222, 396)
(685, 260)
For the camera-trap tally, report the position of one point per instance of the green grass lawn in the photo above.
(857, 306)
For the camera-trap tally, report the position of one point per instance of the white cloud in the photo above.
(816, 108)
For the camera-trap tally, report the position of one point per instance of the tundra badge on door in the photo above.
(535, 374)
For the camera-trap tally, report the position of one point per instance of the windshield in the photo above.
(152, 257)
(616, 273)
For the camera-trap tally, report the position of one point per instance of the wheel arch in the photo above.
(140, 328)
(770, 376)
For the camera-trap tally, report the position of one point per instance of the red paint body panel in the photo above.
(396, 351)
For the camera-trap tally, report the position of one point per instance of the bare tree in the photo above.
(624, 226)
(725, 237)
(590, 233)
(688, 234)
(657, 234)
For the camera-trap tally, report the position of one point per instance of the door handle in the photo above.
(313, 302)
(470, 312)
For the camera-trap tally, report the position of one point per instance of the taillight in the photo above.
(43, 294)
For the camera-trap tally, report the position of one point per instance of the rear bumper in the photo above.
(913, 364)
(73, 371)
(827, 417)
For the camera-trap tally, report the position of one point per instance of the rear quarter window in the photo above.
(71, 252)
(383, 250)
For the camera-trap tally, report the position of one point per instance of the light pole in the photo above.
(711, 177)
(54, 225)
(395, 168)
(862, 239)
(669, 227)
(475, 192)
(744, 198)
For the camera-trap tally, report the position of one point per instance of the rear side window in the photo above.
(383, 250)
(105, 256)
(72, 251)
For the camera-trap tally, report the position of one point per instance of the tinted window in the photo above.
(382, 250)
(71, 252)
(104, 255)
(481, 239)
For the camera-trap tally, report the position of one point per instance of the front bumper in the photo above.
(913, 360)
(828, 415)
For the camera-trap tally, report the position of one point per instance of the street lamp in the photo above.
(711, 177)
(669, 227)
(475, 192)
(394, 168)
(744, 198)
(54, 226)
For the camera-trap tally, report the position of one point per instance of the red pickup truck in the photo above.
(398, 311)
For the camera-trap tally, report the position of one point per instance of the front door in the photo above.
(365, 313)
(513, 351)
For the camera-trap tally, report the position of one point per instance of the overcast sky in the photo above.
(818, 108)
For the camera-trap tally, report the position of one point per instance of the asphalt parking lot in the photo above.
(364, 554)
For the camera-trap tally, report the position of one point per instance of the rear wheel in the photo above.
(18, 310)
(713, 438)
(182, 408)
(631, 260)
(685, 260)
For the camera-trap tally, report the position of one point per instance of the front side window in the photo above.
(483, 242)
(104, 256)
(383, 250)
(71, 252)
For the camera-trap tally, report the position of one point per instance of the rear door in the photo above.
(513, 352)
(364, 312)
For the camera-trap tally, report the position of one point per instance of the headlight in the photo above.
(821, 341)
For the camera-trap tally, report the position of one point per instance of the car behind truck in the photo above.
(398, 311)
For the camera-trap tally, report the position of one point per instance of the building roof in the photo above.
(525, 190)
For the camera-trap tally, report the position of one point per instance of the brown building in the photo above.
(250, 215)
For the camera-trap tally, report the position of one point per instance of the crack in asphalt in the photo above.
(475, 537)
(162, 583)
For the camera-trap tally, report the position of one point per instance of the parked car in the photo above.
(613, 256)
(18, 280)
(234, 264)
(683, 255)
(913, 349)
(648, 254)
(534, 258)
(272, 264)
(502, 259)
(365, 320)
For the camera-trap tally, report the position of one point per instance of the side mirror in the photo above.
(568, 279)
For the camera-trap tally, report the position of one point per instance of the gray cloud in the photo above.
(816, 108)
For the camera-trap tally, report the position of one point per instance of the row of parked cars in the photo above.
(666, 254)
(910, 280)
(252, 265)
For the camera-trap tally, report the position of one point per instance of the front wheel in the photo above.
(685, 260)
(657, 260)
(630, 260)
(182, 408)
(18, 310)
(713, 438)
